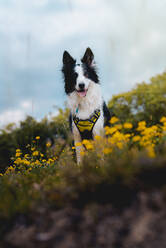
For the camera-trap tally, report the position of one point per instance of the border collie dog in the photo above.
(88, 111)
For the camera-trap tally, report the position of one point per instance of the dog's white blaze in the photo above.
(81, 78)
(88, 104)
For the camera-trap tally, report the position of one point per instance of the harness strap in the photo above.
(86, 126)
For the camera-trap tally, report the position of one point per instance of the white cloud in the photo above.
(11, 116)
(27, 105)
(16, 115)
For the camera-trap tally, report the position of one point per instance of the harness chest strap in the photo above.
(86, 126)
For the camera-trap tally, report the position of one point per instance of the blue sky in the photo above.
(128, 39)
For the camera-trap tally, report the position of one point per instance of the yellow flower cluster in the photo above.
(27, 162)
(18, 153)
(128, 125)
(118, 136)
(147, 137)
(114, 119)
(118, 139)
(35, 153)
(141, 126)
(9, 170)
(163, 121)
(88, 144)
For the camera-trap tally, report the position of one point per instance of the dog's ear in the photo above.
(67, 59)
(88, 57)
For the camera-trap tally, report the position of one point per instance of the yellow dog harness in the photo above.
(86, 126)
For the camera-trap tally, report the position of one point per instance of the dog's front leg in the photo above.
(77, 143)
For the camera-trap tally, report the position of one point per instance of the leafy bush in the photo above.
(145, 102)
(12, 138)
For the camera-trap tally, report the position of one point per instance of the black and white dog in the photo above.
(88, 111)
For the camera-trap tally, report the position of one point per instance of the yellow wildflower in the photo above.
(118, 126)
(141, 125)
(88, 144)
(136, 138)
(48, 144)
(118, 136)
(1, 174)
(35, 153)
(78, 144)
(51, 160)
(119, 145)
(164, 127)
(127, 125)
(98, 137)
(26, 162)
(37, 137)
(18, 161)
(127, 136)
(18, 154)
(37, 162)
(26, 156)
(163, 119)
(110, 130)
(114, 120)
(107, 150)
(10, 169)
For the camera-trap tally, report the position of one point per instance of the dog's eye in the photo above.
(86, 74)
(75, 74)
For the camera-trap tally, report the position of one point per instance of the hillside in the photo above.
(115, 198)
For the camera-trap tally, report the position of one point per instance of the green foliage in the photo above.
(12, 138)
(145, 102)
(96, 180)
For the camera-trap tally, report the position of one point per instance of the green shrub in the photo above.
(145, 102)
(12, 138)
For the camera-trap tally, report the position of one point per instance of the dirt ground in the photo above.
(141, 224)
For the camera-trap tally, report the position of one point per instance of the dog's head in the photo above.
(78, 77)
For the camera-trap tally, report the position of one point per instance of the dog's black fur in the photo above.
(70, 76)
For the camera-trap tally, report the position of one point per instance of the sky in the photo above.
(128, 38)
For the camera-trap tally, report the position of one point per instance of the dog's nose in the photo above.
(81, 86)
